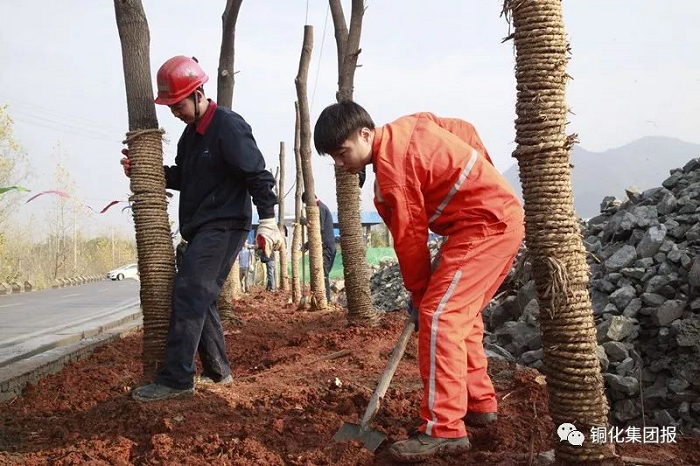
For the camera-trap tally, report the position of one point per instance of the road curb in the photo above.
(16, 376)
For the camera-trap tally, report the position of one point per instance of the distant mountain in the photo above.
(644, 163)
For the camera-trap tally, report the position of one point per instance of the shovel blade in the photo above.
(371, 439)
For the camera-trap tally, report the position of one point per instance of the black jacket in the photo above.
(217, 173)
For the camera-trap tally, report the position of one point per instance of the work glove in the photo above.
(268, 238)
(126, 162)
(412, 312)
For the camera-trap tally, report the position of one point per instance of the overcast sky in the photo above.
(635, 65)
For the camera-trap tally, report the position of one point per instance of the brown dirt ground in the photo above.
(282, 410)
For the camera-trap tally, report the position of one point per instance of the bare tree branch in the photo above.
(225, 78)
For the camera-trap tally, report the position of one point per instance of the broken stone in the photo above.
(531, 312)
(667, 204)
(616, 350)
(625, 410)
(695, 305)
(603, 358)
(632, 308)
(527, 293)
(652, 299)
(519, 337)
(496, 352)
(686, 332)
(677, 384)
(599, 300)
(668, 312)
(674, 256)
(694, 273)
(626, 367)
(672, 181)
(617, 328)
(634, 272)
(622, 297)
(634, 194)
(663, 418)
(627, 385)
(624, 257)
(656, 283)
(651, 241)
(530, 357)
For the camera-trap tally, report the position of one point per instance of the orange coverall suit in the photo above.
(434, 173)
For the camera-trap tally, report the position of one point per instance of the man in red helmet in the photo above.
(434, 174)
(218, 168)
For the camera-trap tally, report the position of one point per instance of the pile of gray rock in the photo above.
(644, 257)
(388, 292)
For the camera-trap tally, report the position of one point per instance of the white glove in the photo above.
(268, 238)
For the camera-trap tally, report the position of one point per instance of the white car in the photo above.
(128, 271)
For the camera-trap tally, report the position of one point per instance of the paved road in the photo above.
(26, 315)
(42, 331)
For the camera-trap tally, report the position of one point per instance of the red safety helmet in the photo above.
(178, 78)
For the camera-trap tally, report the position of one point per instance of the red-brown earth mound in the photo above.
(283, 409)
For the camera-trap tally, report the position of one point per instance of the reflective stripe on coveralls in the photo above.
(433, 343)
(453, 364)
(462, 178)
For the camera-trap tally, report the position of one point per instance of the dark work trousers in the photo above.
(270, 267)
(328, 259)
(194, 323)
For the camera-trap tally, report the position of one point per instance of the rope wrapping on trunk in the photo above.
(154, 245)
(553, 238)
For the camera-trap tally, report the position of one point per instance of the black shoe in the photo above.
(477, 419)
(421, 447)
(205, 380)
(157, 392)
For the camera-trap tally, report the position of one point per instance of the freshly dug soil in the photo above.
(283, 409)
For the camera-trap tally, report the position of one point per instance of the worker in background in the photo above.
(327, 241)
(244, 266)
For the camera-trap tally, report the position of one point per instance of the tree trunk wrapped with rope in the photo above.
(574, 381)
(230, 290)
(352, 246)
(156, 257)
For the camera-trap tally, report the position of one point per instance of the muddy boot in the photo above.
(477, 419)
(157, 392)
(421, 447)
(205, 380)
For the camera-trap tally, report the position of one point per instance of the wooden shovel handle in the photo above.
(388, 374)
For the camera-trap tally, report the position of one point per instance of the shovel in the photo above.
(371, 439)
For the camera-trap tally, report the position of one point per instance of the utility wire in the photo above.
(320, 55)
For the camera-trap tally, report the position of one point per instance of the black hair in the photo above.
(337, 123)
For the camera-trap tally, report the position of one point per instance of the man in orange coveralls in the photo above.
(434, 173)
